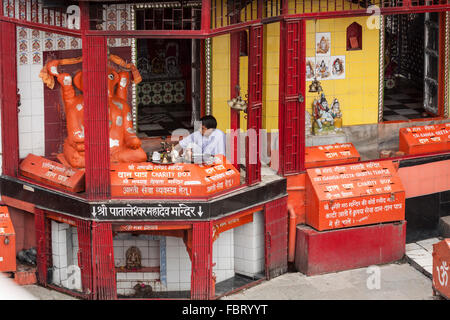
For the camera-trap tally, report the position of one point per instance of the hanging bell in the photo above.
(315, 86)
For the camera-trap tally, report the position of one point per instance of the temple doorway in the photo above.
(168, 97)
(411, 71)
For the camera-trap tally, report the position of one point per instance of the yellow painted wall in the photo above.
(221, 81)
(271, 63)
(358, 92)
(243, 83)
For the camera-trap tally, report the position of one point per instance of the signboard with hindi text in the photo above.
(157, 211)
(52, 173)
(179, 180)
(329, 155)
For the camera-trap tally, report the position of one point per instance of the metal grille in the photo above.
(181, 18)
(104, 277)
(41, 246)
(225, 13)
(96, 117)
(254, 121)
(154, 15)
(201, 277)
(272, 8)
(84, 255)
(9, 100)
(35, 11)
(276, 230)
(292, 113)
(335, 6)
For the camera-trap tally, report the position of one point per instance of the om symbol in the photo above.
(443, 278)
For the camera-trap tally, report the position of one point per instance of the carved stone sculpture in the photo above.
(133, 258)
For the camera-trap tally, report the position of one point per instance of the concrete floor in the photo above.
(397, 282)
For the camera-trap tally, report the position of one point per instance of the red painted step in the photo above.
(319, 252)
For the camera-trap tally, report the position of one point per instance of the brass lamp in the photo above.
(238, 104)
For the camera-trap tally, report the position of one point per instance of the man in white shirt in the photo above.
(208, 140)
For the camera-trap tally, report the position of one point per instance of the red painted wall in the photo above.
(23, 223)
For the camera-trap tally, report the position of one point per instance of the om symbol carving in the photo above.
(443, 274)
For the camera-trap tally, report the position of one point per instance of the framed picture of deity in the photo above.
(323, 44)
(310, 68)
(323, 68)
(338, 67)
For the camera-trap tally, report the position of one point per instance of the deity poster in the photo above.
(338, 67)
(323, 44)
(310, 68)
(323, 68)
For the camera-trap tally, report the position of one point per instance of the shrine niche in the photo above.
(125, 146)
(354, 37)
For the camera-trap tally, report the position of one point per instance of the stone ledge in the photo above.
(444, 227)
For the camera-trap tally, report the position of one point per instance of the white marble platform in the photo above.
(419, 255)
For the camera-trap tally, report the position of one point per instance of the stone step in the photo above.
(444, 227)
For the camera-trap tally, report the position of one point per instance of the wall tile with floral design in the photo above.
(23, 46)
(36, 34)
(61, 44)
(49, 44)
(75, 43)
(36, 45)
(23, 58)
(22, 33)
(37, 57)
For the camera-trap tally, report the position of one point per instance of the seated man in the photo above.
(208, 140)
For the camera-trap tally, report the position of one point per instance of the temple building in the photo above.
(337, 139)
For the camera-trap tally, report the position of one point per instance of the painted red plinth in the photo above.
(24, 278)
(441, 268)
(344, 249)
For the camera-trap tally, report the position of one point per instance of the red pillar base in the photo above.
(25, 277)
(343, 249)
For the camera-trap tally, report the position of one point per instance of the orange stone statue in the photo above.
(124, 145)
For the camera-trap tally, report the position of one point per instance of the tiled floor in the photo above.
(162, 120)
(420, 255)
(234, 283)
(404, 102)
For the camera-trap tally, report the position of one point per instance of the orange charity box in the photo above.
(353, 195)
(329, 155)
(178, 180)
(424, 139)
(7, 242)
(441, 268)
(52, 173)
